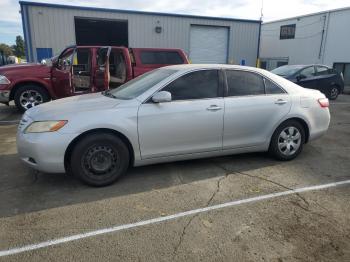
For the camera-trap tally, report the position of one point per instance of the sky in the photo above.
(11, 25)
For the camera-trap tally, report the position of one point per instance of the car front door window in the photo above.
(196, 85)
(65, 61)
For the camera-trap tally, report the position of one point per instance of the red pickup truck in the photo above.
(79, 70)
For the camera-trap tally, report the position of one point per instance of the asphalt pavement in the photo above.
(128, 221)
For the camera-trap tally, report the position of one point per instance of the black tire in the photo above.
(97, 150)
(333, 93)
(42, 96)
(276, 139)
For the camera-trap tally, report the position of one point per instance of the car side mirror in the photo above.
(161, 97)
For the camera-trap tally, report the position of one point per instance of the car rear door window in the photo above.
(322, 70)
(242, 83)
(271, 88)
(161, 57)
(195, 85)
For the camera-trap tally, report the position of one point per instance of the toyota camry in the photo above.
(174, 113)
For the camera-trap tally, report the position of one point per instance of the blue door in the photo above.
(43, 53)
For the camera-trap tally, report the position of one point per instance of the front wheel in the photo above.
(287, 141)
(29, 96)
(99, 159)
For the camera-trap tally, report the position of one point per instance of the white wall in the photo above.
(337, 43)
(305, 48)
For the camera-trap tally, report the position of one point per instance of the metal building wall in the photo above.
(49, 26)
(301, 50)
(310, 44)
(337, 41)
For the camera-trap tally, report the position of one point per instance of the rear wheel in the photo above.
(99, 159)
(333, 93)
(29, 96)
(288, 140)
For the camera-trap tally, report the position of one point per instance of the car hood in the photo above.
(16, 67)
(56, 109)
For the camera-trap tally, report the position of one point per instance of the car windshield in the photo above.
(287, 70)
(139, 85)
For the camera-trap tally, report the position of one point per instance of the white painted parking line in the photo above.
(9, 121)
(165, 218)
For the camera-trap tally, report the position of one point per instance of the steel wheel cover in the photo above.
(289, 141)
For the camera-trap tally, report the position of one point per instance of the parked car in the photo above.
(320, 77)
(3, 59)
(173, 113)
(80, 70)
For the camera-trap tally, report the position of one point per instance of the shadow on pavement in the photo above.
(26, 190)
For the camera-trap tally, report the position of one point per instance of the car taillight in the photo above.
(324, 102)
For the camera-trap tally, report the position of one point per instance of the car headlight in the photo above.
(45, 126)
(4, 80)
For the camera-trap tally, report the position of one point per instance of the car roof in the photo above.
(307, 65)
(287, 85)
(210, 66)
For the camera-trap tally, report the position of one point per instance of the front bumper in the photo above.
(5, 96)
(44, 151)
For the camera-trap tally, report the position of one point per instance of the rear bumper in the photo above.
(44, 151)
(320, 123)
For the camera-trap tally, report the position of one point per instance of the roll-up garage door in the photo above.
(208, 44)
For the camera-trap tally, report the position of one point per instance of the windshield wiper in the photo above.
(108, 94)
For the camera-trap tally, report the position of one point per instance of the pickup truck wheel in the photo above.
(99, 159)
(29, 96)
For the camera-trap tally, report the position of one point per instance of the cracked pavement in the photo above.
(309, 226)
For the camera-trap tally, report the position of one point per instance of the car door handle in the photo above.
(214, 108)
(281, 102)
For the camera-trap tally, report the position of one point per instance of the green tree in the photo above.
(19, 47)
(5, 49)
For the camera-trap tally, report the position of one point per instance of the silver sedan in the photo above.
(173, 113)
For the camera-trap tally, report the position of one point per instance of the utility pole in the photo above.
(259, 41)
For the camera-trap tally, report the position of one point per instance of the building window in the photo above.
(287, 31)
(281, 63)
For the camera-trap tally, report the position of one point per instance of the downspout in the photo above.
(258, 51)
(29, 38)
(24, 32)
(322, 36)
(326, 36)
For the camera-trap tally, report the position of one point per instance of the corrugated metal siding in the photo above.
(337, 43)
(305, 48)
(54, 27)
